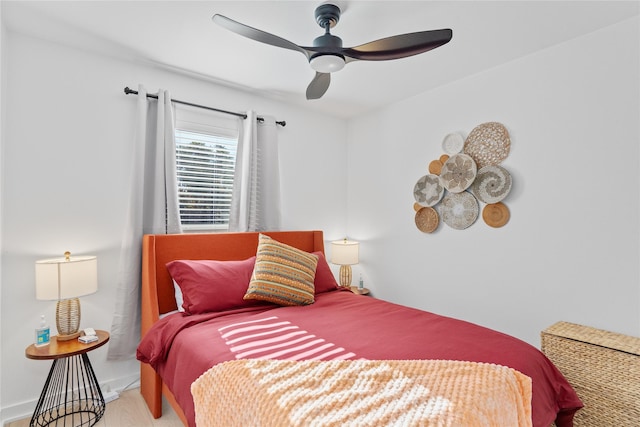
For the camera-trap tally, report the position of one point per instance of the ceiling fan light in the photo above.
(327, 63)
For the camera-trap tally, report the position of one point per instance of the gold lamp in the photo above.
(66, 279)
(345, 253)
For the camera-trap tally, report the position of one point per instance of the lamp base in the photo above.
(61, 337)
(68, 319)
(345, 276)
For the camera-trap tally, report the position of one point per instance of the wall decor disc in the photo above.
(488, 144)
(417, 206)
(443, 159)
(458, 173)
(459, 210)
(453, 143)
(427, 220)
(492, 184)
(435, 167)
(428, 191)
(496, 214)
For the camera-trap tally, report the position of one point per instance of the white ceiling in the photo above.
(180, 35)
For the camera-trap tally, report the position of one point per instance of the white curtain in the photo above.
(153, 209)
(255, 204)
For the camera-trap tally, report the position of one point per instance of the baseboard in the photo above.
(25, 409)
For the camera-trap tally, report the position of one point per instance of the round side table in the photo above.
(71, 393)
(359, 291)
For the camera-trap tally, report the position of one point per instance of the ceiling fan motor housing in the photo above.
(328, 42)
(330, 59)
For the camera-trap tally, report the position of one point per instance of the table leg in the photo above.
(71, 395)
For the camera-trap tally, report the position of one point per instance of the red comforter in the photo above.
(341, 325)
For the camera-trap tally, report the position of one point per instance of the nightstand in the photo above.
(359, 291)
(71, 393)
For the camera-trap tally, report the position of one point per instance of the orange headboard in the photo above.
(159, 249)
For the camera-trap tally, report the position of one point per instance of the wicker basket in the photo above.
(604, 369)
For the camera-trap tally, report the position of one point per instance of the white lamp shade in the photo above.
(345, 252)
(62, 278)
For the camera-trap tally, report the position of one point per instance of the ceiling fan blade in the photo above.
(318, 85)
(399, 46)
(257, 35)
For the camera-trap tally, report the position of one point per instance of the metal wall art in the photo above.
(467, 174)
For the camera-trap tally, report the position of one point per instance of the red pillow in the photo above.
(324, 280)
(210, 285)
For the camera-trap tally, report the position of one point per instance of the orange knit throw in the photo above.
(362, 393)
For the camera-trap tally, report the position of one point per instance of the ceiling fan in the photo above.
(327, 54)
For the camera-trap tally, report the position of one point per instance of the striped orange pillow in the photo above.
(282, 274)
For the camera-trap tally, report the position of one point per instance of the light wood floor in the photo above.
(129, 410)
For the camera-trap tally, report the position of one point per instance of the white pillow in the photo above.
(178, 295)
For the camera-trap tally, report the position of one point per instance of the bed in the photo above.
(196, 357)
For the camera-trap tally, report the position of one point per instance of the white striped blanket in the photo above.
(272, 338)
(438, 393)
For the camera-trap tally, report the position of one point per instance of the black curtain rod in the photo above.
(128, 91)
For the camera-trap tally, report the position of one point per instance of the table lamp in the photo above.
(66, 279)
(344, 253)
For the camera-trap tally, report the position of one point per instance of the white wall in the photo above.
(2, 109)
(571, 249)
(66, 148)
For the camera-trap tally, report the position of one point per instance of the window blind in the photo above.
(205, 165)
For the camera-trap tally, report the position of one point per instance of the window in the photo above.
(205, 165)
